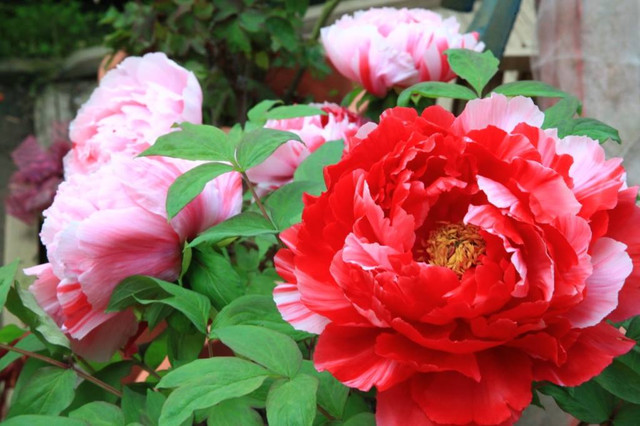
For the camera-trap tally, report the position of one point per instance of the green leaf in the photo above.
(7, 275)
(355, 405)
(282, 33)
(29, 368)
(183, 401)
(361, 419)
(233, 412)
(187, 254)
(293, 111)
(213, 275)
(217, 369)
(205, 383)
(292, 402)
(40, 420)
(275, 351)
(588, 402)
(155, 401)
(22, 304)
(246, 224)
(259, 144)
(332, 395)
(184, 346)
(622, 377)
(251, 20)
(435, 89)
(258, 112)
(286, 204)
(10, 332)
(255, 310)
(133, 405)
(563, 110)
(148, 290)
(29, 343)
(193, 142)
(99, 413)
(530, 88)
(312, 168)
(237, 38)
(476, 68)
(351, 96)
(633, 328)
(112, 374)
(49, 391)
(188, 185)
(627, 415)
(590, 127)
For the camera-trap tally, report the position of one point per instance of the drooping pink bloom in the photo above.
(453, 261)
(134, 104)
(278, 169)
(111, 224)
(33, 186)
(386, 47)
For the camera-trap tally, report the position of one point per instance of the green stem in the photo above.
(84, 364)
(254, 194)
(325, 413)
(256, 198)
(64, 366)
(324, 15)
(329, 6)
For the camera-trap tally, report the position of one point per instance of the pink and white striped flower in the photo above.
(383, 48)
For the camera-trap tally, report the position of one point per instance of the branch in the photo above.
(64, 366)
(328, 8)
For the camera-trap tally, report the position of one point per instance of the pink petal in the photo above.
(498, 111)
(611, 267)
(44, 290)
(111, 245)
(112, 334)
(596, 181)
(287, 298)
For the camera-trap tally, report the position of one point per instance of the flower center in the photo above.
(454, 246)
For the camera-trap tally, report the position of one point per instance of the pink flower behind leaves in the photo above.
(386, 47)
(111, 224)
(453, 261)
(134, 104)
(33, 186)
(278, 169)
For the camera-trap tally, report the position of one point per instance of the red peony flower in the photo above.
(453, 261)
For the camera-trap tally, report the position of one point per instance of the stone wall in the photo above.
(33, 106)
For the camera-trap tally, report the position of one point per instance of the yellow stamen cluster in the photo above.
(455, 246)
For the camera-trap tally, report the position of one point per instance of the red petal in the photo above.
(348, 353)
(502, 393)
(587, 357)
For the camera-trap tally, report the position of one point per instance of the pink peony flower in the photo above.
(111, 224)
(33, 186)
(278, 169)
(453, 261)
(134, 104)
(386, 47)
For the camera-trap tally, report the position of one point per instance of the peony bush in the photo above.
(308, 266)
